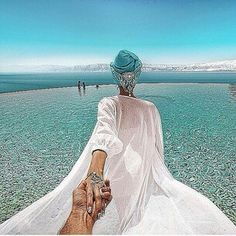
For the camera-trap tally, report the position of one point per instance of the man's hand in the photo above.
(80, 221)
(100, 201)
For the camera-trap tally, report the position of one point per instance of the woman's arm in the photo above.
(98, 162)
(159, 143)
(96, 165)
(105, 143)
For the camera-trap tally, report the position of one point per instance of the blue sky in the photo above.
(90, 31)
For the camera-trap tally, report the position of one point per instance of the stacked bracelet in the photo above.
(95, 178)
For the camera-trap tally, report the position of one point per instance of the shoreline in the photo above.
(160, 83)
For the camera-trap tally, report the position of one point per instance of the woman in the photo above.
(129, 143)
(126, 146)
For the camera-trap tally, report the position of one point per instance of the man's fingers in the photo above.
(94, 213)
(103, 206)
(83, 185)
(98, 199)
(89, 194)
(107, 182)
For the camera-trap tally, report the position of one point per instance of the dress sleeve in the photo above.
(158, 133)
(106, 136)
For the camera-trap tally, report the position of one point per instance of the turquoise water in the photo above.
(44, 132)
(19, 82)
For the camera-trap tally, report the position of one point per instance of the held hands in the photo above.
(79, 220)
(80, 195)
(98, 194)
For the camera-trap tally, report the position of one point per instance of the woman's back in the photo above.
(146, 197)
(134, 118)
(130, 170)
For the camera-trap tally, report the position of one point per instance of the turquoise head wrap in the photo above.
(126, 70)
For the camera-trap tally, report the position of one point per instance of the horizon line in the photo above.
(107, 63)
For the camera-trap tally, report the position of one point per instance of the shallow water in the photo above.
(44, 132)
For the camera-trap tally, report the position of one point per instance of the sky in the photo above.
(70, 32)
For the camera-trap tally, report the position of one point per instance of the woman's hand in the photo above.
(91, 190)
(97, 166)
(105, 192)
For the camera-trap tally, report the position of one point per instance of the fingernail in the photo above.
(99, 215)
(89, 209)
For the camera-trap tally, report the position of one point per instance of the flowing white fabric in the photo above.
(146, 197)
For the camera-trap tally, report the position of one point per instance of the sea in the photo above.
(29, 81)
(46, 121)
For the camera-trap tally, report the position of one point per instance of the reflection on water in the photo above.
(232, 92)
(82, 89)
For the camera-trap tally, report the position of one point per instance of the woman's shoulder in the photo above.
(122, 97)
(113, 100)
(107, 101)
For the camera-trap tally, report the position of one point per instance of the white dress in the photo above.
(146, 197)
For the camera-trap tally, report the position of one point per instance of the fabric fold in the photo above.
(159, 144)
(105, 136)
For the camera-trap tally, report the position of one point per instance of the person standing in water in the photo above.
(78, 84)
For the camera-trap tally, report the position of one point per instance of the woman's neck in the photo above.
(122, 92)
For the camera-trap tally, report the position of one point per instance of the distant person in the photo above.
(83, 85)
(79, 84)
(97, 86)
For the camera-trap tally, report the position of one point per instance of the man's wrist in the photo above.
(84, 221)
(76, 224)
